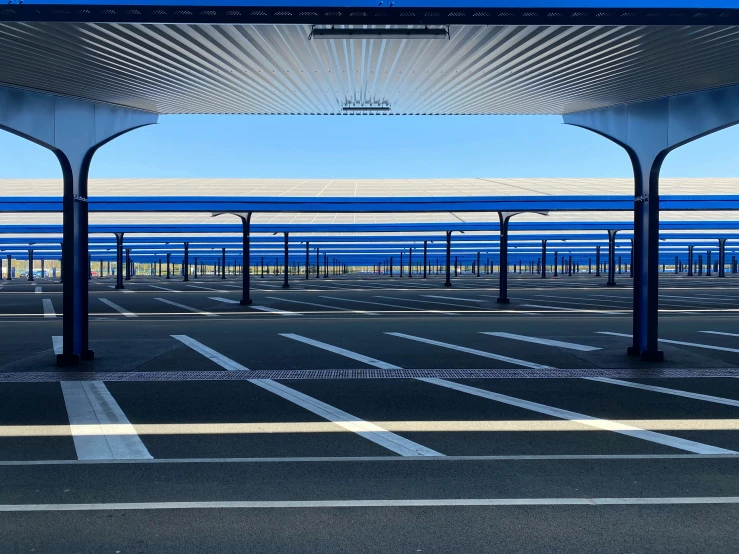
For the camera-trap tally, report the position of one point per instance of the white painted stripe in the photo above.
(606, 425)
(402, 459)
(427, 302)
(664, 390)
(579, 310)
(404, 308)
(410, 503)
(189, 308)
(322, 306)
(231, 286)
(48, 308)
(37, 290)
(548, 342)
(224, 300)
(342, 351)
(220, 359)
(201, 287)
(274, 310)
(694, 344)
(98, 425)
(117, 308)
(720, 333)
(368, 430)
(515, 361)
(162, 288)
(58, 344)
(451, 298)
(586, 303)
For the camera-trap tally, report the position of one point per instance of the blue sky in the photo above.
(357, 147)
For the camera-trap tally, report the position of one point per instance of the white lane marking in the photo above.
(515, 361)
(607, 425)
(720, 333)
(556, 300)
(405, 308)
(37, 290)
(189, 308)
(274, 310)
(369, 431)
(451, 298)
(664, 390)
(427, 302)
(694, 344)
(232, 286)
(411, 503)
(579, 310)
(220, 359)
(112, 286)
(548, 342)
(224, 300)
(48, 308)
(201, 287)
(322, 306)
(118, 308)
(58, 344)
(100, 429)
(161, 288)
(342, 351)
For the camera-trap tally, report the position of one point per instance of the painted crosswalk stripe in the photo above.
(118, 308)
(58, 344)
(451, 298)
(365, 429)
(48, 308)
(664, 390)
(201, 287)
(681, 343)
(404, 308)
(322, 306)
(100, 429)
(162, 288)
(37, 290)
(515, 361)
(547, 342)
(341, 351)
(578, 310)
(274, 310)
(224, 300)
(189, 308)
(604, 424)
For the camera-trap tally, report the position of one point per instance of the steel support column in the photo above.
(285, 284)
(597, 261)
(721, 257)
(611, 257)
(30, 265)
(186, 263)
(128, 264)
(544, 259)
(307, 260)
(690, 261)
(223, 263)
(504, 218)
(425, 254)
(448, 282)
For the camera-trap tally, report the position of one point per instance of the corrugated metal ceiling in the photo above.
(276, 69)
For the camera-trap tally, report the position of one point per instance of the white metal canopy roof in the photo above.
(276, 69)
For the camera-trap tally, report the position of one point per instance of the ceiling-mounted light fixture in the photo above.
(382, 33)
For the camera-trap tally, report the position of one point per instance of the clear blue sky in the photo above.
(368, 147)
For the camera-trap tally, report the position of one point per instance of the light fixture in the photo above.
(382, 33)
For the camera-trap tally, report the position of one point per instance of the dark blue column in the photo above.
(223, 263)
(30, 265)
(186, 263)
(425, 257)
(721, 257)
(285, 284)
(611, 258)
(543, 259)
(448, 282)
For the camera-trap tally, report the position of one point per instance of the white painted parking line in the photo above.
(548, 342)
(604, 424)
(100, 429)
(586, 303)
(322, 306)
(162, 288)
(664, 390)
(48, 308)
(189, 308)
(224, 300)
(342, 352)
(578, 310)
(720, 333)
(427, 302)
(397, 503)
(515, 361)
(117, 308)
(404, 308)
(369, 431)
(37, 290)
(694, 344)
(220, 359)
(232, 286)
(58, 343)
(274, 310)
(451, 298)
(201, 287)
